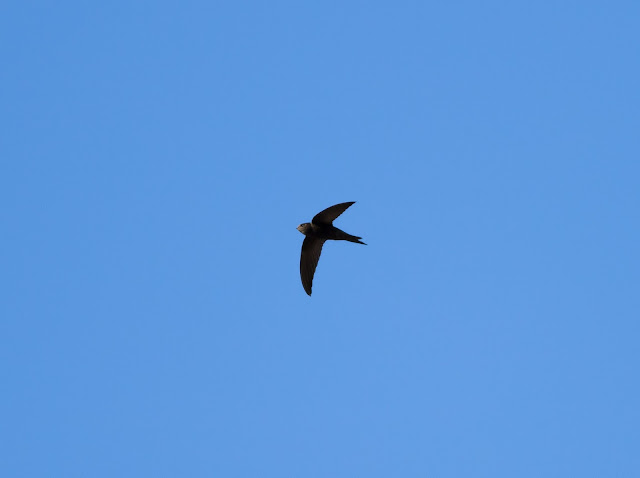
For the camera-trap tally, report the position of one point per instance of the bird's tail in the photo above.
(345, 236)
(355, 239)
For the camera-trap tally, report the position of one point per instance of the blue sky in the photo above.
(157, 158)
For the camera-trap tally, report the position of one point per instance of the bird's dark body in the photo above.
(328, 232)
(316, 232)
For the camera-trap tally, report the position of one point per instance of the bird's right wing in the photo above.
(311, 249)
(331, 213)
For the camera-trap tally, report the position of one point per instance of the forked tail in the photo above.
(355, 239)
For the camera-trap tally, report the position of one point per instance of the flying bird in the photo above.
(316, 232)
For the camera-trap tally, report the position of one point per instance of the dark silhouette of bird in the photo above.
(319, 230)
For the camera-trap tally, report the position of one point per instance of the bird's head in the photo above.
(304, 228)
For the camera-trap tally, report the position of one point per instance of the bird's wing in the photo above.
(311, 249)
(331, 213)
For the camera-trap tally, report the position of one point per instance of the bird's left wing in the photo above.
(311, 249)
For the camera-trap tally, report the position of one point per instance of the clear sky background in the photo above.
(156, 158)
